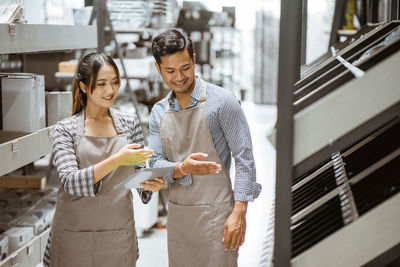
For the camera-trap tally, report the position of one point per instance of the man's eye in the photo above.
(116, 82)
(101, 84)
(186, 68)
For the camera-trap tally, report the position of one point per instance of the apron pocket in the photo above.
(102, 248)
(113, 248)
(190, 225)
(73, 249)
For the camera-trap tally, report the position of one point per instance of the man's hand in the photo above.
(153, 185)
(235, 227)
(192, 165)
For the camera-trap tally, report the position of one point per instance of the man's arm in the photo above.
(237, 133)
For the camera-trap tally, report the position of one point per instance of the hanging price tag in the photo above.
(14, 146)
(29, 249)
(12, 30)
(51, 131)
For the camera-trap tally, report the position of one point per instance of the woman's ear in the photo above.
(83, 87)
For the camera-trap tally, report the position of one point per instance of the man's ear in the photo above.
(194, 58)
(83, 87)
(158, 67)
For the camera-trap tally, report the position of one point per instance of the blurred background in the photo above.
(317, 80)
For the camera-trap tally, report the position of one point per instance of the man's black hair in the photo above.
(169, 42)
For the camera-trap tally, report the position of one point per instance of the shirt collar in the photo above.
(194, 96)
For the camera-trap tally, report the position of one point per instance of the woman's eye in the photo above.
(116, 83)
(101, 84)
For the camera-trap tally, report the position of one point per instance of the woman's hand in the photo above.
(153, 185)
(131, 155)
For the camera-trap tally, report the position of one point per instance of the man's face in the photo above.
(177, 71)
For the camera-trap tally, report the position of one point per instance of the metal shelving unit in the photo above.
(18, 149)
(30, 254)
(341, 244)
(322, 122)
(336, 207)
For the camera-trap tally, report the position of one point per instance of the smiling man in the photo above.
(198, 127)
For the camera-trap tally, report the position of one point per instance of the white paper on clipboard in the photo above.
(142, 175)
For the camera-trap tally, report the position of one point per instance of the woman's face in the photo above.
(106, 88)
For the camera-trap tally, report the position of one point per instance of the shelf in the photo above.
(70, 75)
(359, 242)
(121, 30)
(30, 147)
(323, 123)
(33, 38)
(21, 257)
(359, 100)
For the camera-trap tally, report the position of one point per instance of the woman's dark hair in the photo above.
(87, 71)
(169, 42)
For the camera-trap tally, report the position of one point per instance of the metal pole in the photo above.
(288, 74)
(340, 7)
(394, 10)
(100, 20)
(304, 32)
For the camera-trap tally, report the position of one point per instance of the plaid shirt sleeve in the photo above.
(237, 134)
(75, 181)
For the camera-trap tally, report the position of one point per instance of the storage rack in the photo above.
(20, 148)
(318, 174)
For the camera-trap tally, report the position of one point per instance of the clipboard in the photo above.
(134, 180)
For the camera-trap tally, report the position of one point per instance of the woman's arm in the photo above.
(81, 182)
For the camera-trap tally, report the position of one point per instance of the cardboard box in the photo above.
(34, 182)
(67, 66)
(3, 247)
(36, 220)
(23, 102)
(59, 106)
(18, 236)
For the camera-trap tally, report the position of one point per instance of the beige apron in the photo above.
(196, 213)
(95, 231)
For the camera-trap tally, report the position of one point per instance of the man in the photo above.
(196, 127)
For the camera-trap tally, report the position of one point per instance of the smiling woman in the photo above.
(94, 150)
(96, 71)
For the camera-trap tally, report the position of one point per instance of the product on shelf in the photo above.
(3, 247)
(35, 219)
(26, 112)
(18, 236)
(26, 181)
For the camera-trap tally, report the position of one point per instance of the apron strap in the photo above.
(203, 92)
(81, 123)
(117, 121)
(167, 106)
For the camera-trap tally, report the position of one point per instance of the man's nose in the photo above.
(179, 75)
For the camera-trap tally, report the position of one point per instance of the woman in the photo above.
(94, 150)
